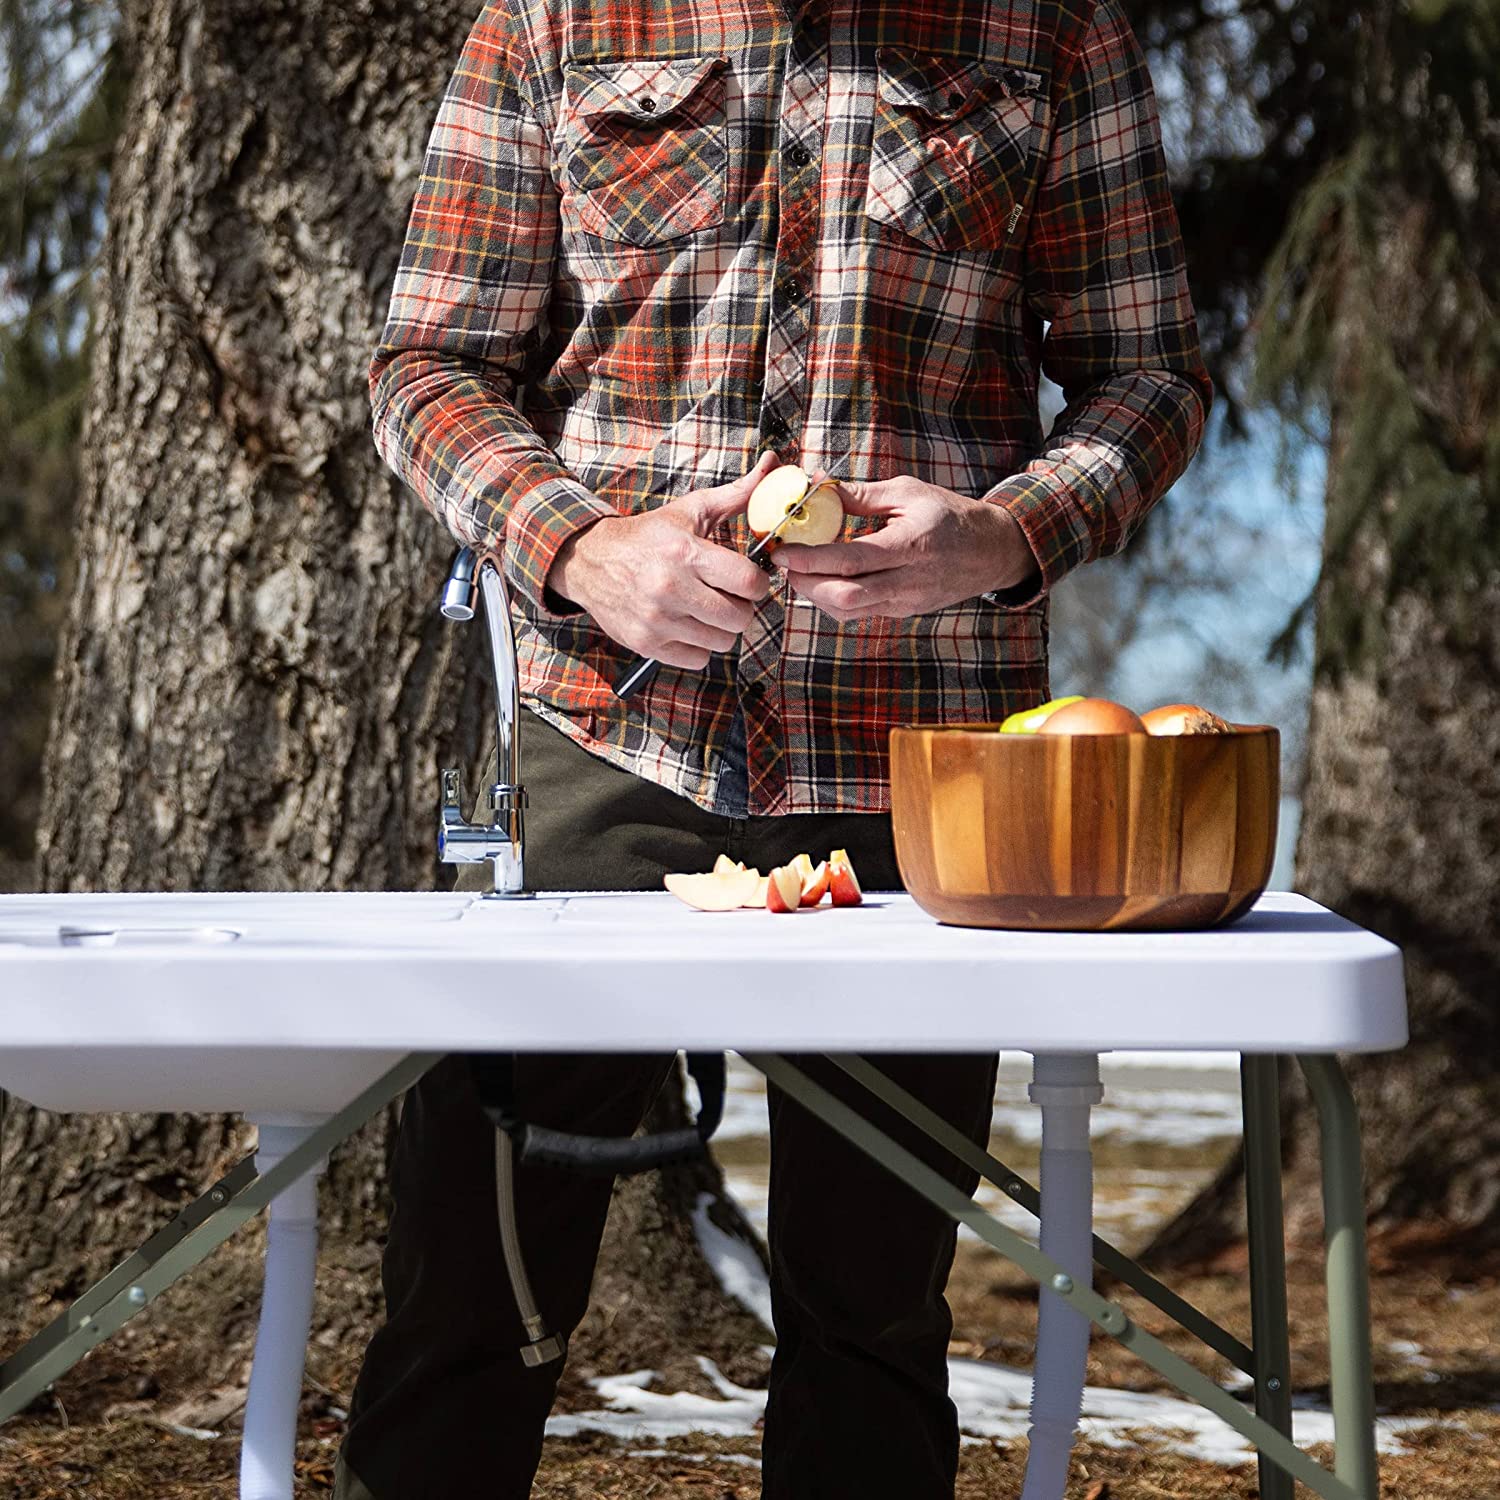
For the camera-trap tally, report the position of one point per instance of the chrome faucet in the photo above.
(503, 838)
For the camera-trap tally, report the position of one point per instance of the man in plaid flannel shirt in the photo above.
(657, 249)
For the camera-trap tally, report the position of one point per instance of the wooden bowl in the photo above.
(1084, 832)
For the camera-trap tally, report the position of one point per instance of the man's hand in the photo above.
(655, 583)
(936, 548)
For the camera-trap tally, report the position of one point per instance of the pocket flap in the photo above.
(645, 89)
(947, 87)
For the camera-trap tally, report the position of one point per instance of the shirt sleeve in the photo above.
(1104, 267)
(467, 310)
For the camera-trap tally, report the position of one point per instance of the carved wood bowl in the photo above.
(1084, 832)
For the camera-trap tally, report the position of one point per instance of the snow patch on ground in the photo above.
(1173, 1117)
(638, 1413)
(1182, 1099)
(993, 1402)
(736, 1265)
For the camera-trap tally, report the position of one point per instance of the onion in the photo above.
(1183, 718)
(1092, 716)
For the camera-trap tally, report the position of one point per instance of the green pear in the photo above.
(1029, 720)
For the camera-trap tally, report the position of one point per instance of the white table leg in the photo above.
(268, 1451)
(1066, 1087)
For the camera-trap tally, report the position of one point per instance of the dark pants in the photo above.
(857, 1404)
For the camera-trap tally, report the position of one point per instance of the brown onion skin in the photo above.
(1093, 716)
(1184, 718)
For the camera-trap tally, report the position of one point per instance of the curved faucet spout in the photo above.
(503, 839)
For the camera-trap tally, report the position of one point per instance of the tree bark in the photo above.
(1400, 832)
(255, 690)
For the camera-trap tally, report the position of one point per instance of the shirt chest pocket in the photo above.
(956, 148)
(644, 153)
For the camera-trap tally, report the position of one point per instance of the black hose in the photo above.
(495, 1080)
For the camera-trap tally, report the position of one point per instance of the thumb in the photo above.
(725, 500)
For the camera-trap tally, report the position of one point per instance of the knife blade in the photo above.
(644, 668)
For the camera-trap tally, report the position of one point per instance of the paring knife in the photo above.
(643, 669)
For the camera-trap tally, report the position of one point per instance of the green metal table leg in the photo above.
(1109, 1316)
(1346, 1270)
(1260, 1101)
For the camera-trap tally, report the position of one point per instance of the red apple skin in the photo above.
(843, 884)
(815, 886)
(784, 891)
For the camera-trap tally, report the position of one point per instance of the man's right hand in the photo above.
(655, 582)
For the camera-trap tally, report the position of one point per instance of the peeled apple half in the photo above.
(778, 494)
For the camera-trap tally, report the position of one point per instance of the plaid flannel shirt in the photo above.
(650, 240)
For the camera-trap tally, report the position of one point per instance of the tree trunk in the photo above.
(1400, 832)
(255, 690)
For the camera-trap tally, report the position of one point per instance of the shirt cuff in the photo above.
(1033, 501)
(538, 525)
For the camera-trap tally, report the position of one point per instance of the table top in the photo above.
(431, 971)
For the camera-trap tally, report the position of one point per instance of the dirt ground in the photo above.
(101, 1435)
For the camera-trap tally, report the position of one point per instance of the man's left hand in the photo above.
(936, 548)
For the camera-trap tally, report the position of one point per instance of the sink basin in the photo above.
(180, 918)
(171, 1073)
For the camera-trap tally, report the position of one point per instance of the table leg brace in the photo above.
(1041, 1267)
(267, 1456)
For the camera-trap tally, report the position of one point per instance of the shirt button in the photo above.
(648, 105)
(954, 100)
(791, 290)
(799, 155)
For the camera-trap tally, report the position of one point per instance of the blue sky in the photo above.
(1236, 544)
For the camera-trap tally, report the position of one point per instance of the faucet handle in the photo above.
(453, 790)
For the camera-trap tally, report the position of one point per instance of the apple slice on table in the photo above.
(815, 883)
(814, 877)
(843, 884)
(723, 865)
(714, 891)
(784, 889)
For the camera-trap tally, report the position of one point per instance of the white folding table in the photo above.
(310, 1012)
